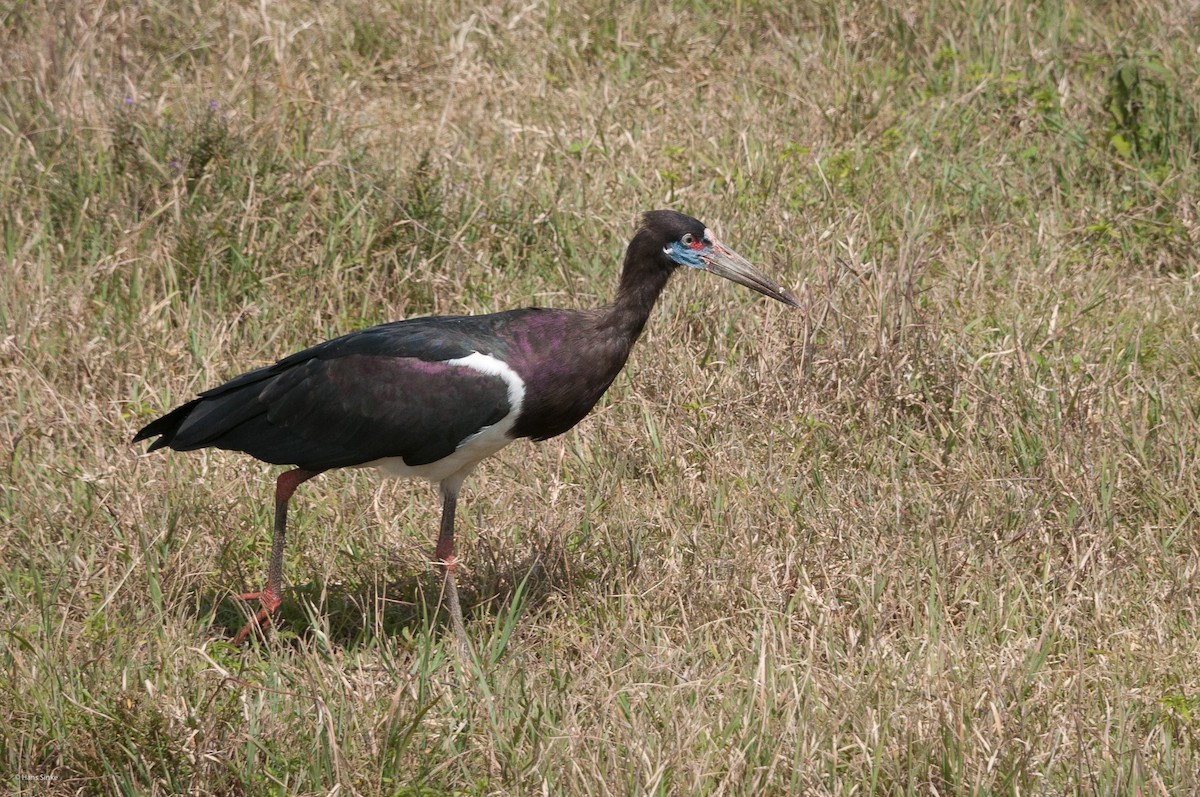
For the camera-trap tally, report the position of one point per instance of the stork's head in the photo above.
(687, 242)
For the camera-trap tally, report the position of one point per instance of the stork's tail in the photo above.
(166, 427)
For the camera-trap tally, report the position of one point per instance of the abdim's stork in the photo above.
(432, 397)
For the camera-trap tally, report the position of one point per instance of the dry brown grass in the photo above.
(937, 535)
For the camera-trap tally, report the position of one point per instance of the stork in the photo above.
(432, 397)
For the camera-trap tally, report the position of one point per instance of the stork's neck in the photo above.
(572, 357)
(642, 280)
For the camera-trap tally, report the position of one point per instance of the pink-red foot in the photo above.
(270, 604)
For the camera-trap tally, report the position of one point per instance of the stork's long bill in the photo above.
(724, 262)
(709, 254)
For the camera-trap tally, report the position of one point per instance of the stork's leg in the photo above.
(270, 597)
(445, 557)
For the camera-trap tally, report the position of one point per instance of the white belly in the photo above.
(472, 450)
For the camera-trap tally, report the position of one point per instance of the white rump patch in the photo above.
(475, 448)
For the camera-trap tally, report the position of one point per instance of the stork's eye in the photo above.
(688, 239)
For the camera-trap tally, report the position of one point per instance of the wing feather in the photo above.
(387, 391)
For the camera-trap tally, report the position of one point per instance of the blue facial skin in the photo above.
(685, 255)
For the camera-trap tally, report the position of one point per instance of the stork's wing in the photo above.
(388, 391)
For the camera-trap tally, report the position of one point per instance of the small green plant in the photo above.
(148, 145)
(1150, 119)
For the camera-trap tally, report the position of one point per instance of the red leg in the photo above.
(270, 596)
(445, 557)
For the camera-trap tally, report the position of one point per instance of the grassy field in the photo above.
(935, 535)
